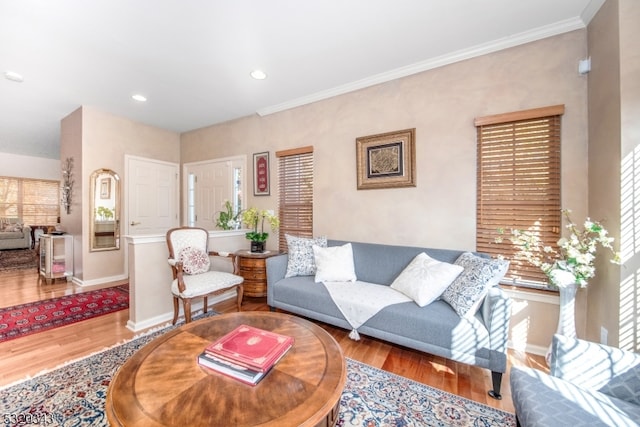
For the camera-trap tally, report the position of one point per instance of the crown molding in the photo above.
(461, 55)
(590, 11)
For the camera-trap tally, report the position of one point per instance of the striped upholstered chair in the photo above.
(590, 384)
(192, 277)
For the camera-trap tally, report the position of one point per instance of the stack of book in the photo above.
(247, 353)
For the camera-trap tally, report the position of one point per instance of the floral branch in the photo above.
(574, 260)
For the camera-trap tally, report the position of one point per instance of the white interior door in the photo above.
(152, 196)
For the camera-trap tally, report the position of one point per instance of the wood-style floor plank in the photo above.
(26, 356)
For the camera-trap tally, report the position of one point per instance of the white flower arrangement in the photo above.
(226, 219)
(573, 262)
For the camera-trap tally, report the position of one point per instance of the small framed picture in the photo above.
(105, 188)
(261, 174)
(386, 160)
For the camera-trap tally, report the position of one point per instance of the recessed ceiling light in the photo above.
(258, 74)
(13, 76)
(139, 98)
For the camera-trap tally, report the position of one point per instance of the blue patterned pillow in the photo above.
(466, 292)
(301, 261)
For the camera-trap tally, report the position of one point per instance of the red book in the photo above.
(251, 347)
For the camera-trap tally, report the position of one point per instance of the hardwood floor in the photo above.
(29, 355)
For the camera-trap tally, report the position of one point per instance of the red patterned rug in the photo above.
(26, 319)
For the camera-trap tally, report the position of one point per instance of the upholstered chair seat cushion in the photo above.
(589, 384)
(205, 283)
(543, 400)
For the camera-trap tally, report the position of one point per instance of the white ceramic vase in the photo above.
(567, 316)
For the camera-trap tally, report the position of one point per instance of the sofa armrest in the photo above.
(496, 315)
(276, 270)
(26, 230)
(593, 366)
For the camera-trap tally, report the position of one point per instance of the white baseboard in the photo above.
(149, 323)
(100, 281)
(167, 317)
(529, 348)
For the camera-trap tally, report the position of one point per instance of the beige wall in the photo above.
(604, 161)
(614, 134)
(441, 104)
(629, 298)
(71, 147)
(101, 140)
(19, 166)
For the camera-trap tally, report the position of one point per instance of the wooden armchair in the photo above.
(192, 277)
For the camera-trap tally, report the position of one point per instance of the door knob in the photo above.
(135, 223)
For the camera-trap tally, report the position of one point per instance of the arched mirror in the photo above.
(104, 220)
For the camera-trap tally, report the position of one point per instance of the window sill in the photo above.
(228, 233)
(530, 294)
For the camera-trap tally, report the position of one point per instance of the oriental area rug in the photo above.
(74, 395)
(18, 259)
(25, 319)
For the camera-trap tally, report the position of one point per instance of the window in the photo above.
(208, 185)
(518, 184)
(37, 202)
(295, 193)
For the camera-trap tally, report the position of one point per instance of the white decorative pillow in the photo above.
(468, 290)
(194, 260)
(12, 227)
(334, 264)
(425, 278)
(301, 261)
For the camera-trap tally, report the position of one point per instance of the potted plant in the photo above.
(226, 219)
(570, 266)
(104, 213)
(252, 217)
(573, 262)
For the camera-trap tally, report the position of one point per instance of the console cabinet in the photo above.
(56, 257)
(252, 266)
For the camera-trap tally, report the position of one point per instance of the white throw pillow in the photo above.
(13, 227)
(301, 261)
(334, 263)
(468, 290)
(194, 260)
(425, 278)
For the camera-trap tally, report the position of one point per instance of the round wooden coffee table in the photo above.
(163, 385)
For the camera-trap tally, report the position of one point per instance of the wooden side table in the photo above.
(253, 268)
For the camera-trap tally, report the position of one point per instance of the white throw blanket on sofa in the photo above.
(359, 301)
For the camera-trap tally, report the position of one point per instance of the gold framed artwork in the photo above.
(386, 160)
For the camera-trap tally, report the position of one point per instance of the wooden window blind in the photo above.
(518, 185)
(36, 202)
(295, 193)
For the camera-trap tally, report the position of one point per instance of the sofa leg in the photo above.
(272, 309)
(496, 378)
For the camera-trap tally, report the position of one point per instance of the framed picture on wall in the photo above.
(386, 160)
(105, 188)
(261, 174)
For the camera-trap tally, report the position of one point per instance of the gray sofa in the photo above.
(590, 385)
(434, 328)
(20, 239)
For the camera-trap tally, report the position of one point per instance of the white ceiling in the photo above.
(192, 58)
